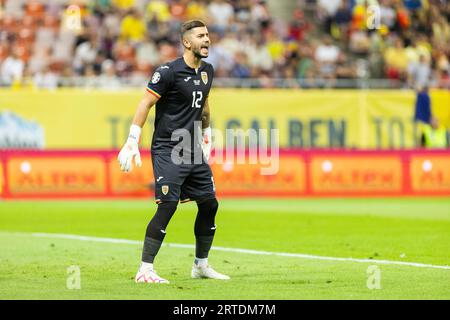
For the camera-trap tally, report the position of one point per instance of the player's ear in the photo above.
(186, 43)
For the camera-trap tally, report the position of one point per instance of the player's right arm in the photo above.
(158, 85)
(143, 109)
(130, 149)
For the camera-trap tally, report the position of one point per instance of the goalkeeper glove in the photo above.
(206, 142)
(131, 150)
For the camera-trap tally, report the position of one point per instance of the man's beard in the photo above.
(198, 54)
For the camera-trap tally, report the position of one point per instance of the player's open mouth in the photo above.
(204, 49)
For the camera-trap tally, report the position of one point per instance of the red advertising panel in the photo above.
(85, 174)
(56, 175)
(137, 182)
(288, 178)
(2, 180)
(430, 173)
(347, 174)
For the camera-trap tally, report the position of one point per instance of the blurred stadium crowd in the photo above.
(109, 43)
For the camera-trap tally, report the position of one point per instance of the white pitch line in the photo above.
(247, 251)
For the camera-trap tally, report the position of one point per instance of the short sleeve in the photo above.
(212, 72)
(161, 81)
(211, 76)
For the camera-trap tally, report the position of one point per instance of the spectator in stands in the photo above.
(178, 10)
(403, 17)
(219, 57)
(443, 79)
(242, 11)
(12, 69)
(305, 65)
(46, 79)
(240, 68)
(359, 42)
(327, 10)
(125, 56)
(359, 21)
(419, 74)
(158, 10)
(260, 58)
(441, 29)
(222, 14)
(345, 69)
(196, 10)
(230, 43)
(111, 23)
(341, 21)
(388, 16)
(434, 135)
(108, 78)
(133, 27)
(260, 14)
(422, 111)
(327, 55)
(147, 56)
(276, 49)
(442, 64)
(40, 59)
(396, 60)
(124, 5)
(85, 54)
(137, 42)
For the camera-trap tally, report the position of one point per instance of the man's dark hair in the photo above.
(191, 24)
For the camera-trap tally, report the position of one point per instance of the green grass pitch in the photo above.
(408, 230)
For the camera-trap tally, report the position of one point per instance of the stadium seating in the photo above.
(249, 40)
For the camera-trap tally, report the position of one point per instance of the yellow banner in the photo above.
(71, 118)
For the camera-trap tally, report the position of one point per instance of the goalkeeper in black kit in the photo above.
(180, 91)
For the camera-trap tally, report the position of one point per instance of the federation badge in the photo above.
(156, 77)
(165, 189)
(204, 77)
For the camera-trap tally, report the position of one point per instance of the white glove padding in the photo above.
(130, 150)
(206, 142)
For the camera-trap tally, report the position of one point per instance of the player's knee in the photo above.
(168, 206)
(205, 221)
(208, 207)
(156, 229)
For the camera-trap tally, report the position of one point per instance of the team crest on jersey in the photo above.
(156, 77)
(204, 77)
(165, 189)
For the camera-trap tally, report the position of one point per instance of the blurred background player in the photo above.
(180, 90)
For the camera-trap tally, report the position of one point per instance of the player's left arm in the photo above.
(206, 130)
(205, 115)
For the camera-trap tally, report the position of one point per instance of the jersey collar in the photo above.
(192, 69)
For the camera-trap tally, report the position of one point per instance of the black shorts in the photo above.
(181, 182)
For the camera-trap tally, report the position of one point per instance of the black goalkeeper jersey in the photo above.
(182, 91)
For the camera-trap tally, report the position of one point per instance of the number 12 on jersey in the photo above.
(197, 99)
